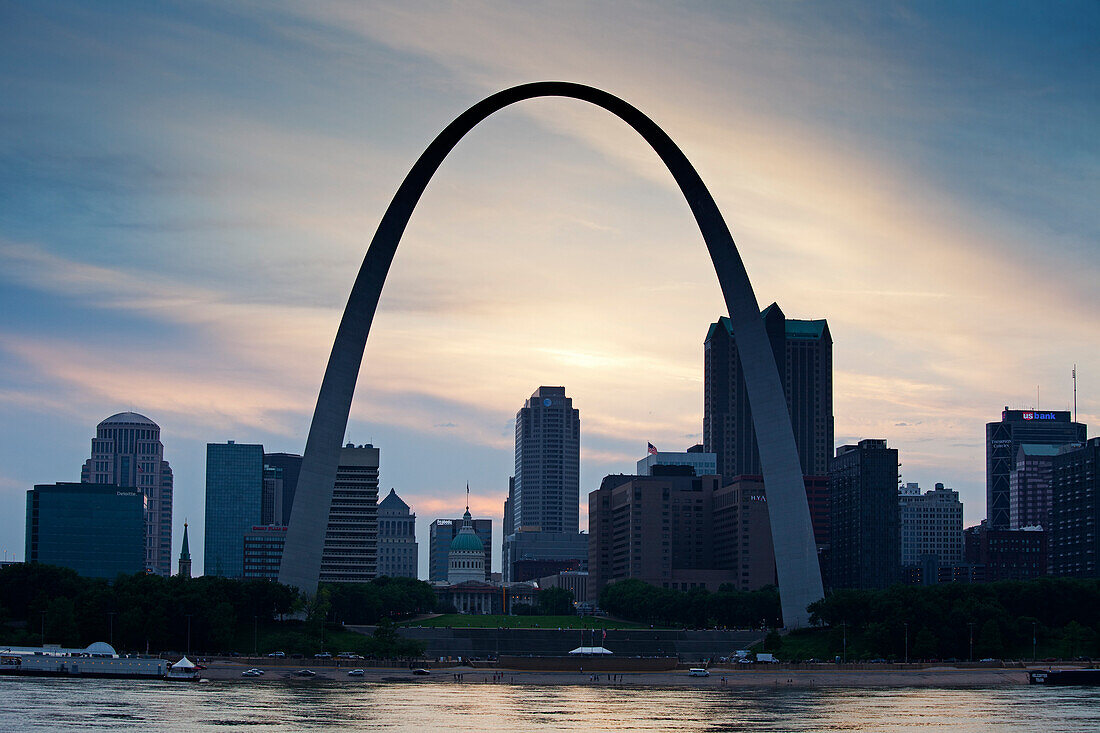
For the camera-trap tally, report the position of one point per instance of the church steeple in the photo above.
(185, 556)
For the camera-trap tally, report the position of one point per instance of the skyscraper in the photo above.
(1029, 486)
(350, 553)
(864, 532)
(548, 456)
(1075, 511)
(931, 527)
(803, 353)
(234, 500)
(1002, 444)
(98, 530)
(545, 493)
(127, 452)
(397, 550)
(289, 464)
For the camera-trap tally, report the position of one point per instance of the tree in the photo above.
(990, 641)
(925, 644)
(556, 601)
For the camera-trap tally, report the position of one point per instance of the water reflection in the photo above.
(109, 705)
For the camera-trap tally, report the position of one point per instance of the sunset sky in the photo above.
(187, 190)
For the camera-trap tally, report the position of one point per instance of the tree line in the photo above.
(955, 620)
(636, 600)
(1018, 619)
(139, 613)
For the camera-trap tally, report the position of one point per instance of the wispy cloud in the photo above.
(210, 178)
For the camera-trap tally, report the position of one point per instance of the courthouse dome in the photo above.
(466, 541)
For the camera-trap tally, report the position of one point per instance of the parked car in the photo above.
(322, 655)
(278, 655)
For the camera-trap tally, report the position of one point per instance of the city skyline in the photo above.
(193, 269)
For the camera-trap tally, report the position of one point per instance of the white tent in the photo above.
(184, 663)
(591, 650)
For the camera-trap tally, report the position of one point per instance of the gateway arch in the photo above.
(792, 533)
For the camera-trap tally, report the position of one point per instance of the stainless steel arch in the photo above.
(792, 532)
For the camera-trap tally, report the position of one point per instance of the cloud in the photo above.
(222, 200)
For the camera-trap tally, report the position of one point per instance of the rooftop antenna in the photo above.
(467, 496)
(1074, 393)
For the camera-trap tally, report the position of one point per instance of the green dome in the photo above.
(467, 541)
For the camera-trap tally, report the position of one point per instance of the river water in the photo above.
(112, 705)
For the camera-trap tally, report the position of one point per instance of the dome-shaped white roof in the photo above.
(128, 418)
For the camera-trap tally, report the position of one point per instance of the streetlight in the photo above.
(844, 647)
(906, 625)
(971, 625)
(43, 628)
(111, 627)
(1033, 655)
(255, 636)
(188, 634)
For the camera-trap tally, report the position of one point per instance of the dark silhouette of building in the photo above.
(263, 551)
(658, 529)
(126, 451)
(1075, 511)
(676, 530)
(1002, 554)
(803, 352)
(547, 480)
(864, 547)
(544, 498)
(1013, 554)
(507, 526)
(350, 553)
(1002, 444)
(931, 530)
(1029, 486)
(397, 549)
(289, 465)
(246, 488)
(97, 530)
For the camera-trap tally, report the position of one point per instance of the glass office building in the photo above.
(97, 530)
(234, 500)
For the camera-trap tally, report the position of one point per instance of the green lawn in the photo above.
(458, 620)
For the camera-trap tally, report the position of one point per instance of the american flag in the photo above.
(652, 449)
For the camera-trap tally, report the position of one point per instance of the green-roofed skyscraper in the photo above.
(804, 355)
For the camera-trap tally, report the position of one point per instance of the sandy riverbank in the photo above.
(756, 677)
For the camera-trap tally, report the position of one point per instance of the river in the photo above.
(114, 705)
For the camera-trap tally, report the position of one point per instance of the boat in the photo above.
(1089, 677)
(96, 660)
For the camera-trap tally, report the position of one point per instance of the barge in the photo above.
(97, 660)
(1086, 677)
